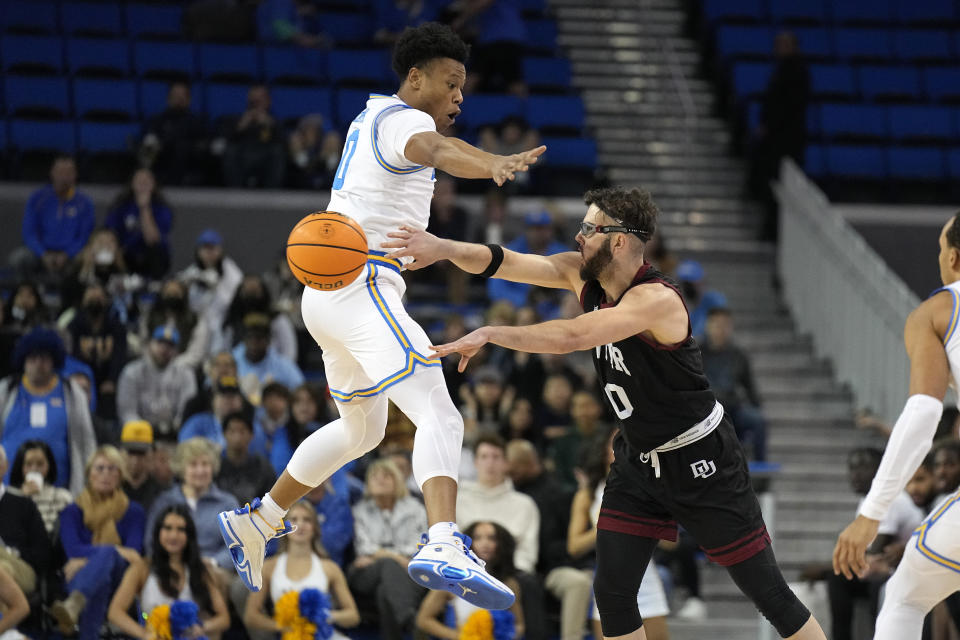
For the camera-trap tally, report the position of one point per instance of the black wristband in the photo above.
(495, 261)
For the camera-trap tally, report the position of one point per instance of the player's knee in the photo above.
(782, 608)
(619, 614)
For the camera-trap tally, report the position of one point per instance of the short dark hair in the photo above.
(719, 311)
(419, 45)
(947, 443)
(275, 389)
(491, 438)
(872, 453)
(634, 208)
(242, 416)
(953, 233)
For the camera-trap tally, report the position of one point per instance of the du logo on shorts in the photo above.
(703, 468)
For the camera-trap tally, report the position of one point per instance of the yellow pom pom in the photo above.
(159, 622)
(479, 626)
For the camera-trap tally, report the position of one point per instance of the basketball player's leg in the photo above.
(617, 581)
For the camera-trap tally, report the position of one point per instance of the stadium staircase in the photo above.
(653, 118)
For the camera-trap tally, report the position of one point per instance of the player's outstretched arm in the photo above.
(648, 308)
(559, 271)
(912, 434)
(463, 160)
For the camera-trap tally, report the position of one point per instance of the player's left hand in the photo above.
(467, 347)
(423, 247)
(849, 556)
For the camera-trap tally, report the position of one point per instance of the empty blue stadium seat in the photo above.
(105, 98)
(909, 122)
(225, 100)
(542, 35)
(152, 59)
(36, 135)
(926, 11)
(739, 41)
(111, 137)
(832, 81)
(154, 20)
(348, 105)
(234, 62)
(807, 11)
(953, 163)
(481, 110)
(570, 152)
(348, 27)
(294, 64)
(32, 53)
(863, 11)
(731, 10)
(924, 45)
(29, 17)
(98, 56)
(546, 73)
(856, 161)
(360, 65)
(942, 83)
(293, 102)
(37, 95)
(91, 18)
(916, 163)
(555, 112)
(862, 44)
(853, 121)
(886, 83)
(813, 120)
(814, 42)
(814, 162)
(750, 78)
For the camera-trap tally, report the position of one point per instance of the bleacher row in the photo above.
(883, 73)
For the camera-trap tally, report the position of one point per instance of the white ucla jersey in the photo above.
(375, 184)
(951, 339)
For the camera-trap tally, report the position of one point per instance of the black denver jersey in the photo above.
(657, 391)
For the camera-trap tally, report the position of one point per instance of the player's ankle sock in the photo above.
(442, 532)
(272, 512)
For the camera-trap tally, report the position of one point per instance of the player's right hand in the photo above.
(505, 168)
(423, 247)
(849, 556)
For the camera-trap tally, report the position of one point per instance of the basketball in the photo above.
(326, 250)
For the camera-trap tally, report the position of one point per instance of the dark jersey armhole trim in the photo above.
(669, 347)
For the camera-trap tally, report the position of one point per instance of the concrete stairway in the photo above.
(628, 56)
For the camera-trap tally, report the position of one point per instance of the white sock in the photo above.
(271, 511)
(442, 531)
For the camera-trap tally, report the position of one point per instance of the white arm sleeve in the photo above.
(396, 129)
(909, 442)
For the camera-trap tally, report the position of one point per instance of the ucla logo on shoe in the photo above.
(703, 468)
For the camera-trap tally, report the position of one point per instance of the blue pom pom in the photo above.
(502, 624)
(315, 607)
(183, 615)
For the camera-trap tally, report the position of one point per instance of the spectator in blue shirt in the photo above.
(258, 364)
(44, 405)
(58, 218)
(537, 239)
(699, 299)
(332, 501)
(102, 534)
(227, 399)
(142, 220)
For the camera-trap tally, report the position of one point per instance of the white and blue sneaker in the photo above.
(247, 533)
(455, 568)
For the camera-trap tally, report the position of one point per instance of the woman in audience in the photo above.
(196, 462)
(99, 340)
(34, 474)
(102, 534)
(141, 218)
(301, 564)
(212, 279)
(252, 296)
(307, 413)
(14, 608)
(174, 572)
(494, 545)
(24, 309)
(170, 309)
(100, 262)
(387, 525)
(582, 539)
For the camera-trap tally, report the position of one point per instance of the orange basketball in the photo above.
(327, 250)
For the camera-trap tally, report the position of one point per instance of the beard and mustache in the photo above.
(595, 264)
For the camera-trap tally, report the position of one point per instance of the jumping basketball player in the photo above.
(676, 458)
(930, 568)
(373, 350)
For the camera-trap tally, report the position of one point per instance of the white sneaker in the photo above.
(455, 568)
(693, 609)
(246, 537)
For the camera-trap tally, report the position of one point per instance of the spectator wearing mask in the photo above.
(25, 548)
(34, 475)
(227, 399)
(57, 221)
(155, 388)
(212, 279)
(175, 140)
(698, 298)
(258, 364)
(314, 153)
(24, 309)
(99, 341)
(727, 367)
(171, 309)
(139, 483)
(253, 297)
(244, 474)
(142, 219)
(41, 404)
(538, 239)
(255, 153)
(101, 262)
